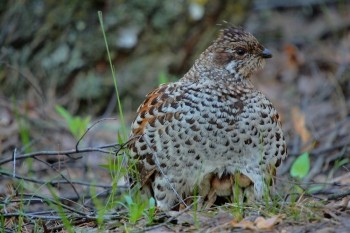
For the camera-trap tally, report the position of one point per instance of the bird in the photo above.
(211, 130)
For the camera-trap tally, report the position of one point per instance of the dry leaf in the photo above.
(260, 223)
(343, 179)
(267, 224)
(244, 224)
(294, 58)
(340, 204)
(299, 125)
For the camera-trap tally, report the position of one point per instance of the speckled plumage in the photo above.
(209, 126)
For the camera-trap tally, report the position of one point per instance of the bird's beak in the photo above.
(266, 53)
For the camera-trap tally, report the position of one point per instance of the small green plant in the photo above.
(136, 207)
(301, 166)
(300, 169)
(150, 212)
(63, 215)
(338, 164)
(101, 209)
(163, 78)
(76, 125)
(23, 128)
(117, 169)
(196, 200)
(237, 199)
(24, 134)
(266, 191)
(21, 218)
(2, 218)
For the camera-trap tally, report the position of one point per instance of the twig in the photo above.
(292, 182)
(330, 149)
(49, 200)
(14, 162)
(338, 195)
(63, 176)
(316, 168)
(325, 131)
(319, 151)
(100, 149)
(30, 215)
(88, 129)
(169, 219)
(36, 88)
(55, 182)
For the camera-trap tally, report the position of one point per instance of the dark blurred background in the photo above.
(53, 53)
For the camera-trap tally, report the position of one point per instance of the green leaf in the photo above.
(340, 163)
(76, 125)
(315, 188)
(128, 200)
(152, 203)
(301, 166)
(64, 113)
(163, 78)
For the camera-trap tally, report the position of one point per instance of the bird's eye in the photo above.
(241, 51)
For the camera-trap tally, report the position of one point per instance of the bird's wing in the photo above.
(156, 107)
(159, 108)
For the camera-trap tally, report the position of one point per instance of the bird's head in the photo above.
(236, 52)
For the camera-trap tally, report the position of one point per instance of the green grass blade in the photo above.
(121, 115)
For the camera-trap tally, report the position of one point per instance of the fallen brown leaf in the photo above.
(299, 125)
(244, 224)
(267, 224)
(260, 223)
(340, 204)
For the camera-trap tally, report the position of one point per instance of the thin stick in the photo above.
(88, 129)
(338, 195)
(55, 182)
(169, 219)
(14, 162)
(100, 149)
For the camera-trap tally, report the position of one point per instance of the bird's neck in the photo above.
(206, 74)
